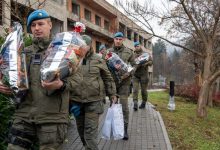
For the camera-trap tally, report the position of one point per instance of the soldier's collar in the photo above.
(41, 44)
(138, 51)
(118, 48)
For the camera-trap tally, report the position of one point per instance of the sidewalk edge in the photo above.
(166, 137)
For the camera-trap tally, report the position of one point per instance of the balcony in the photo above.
(97, 29)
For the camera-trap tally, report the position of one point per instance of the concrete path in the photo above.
(146, 132)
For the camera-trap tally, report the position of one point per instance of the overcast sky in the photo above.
(159, 6)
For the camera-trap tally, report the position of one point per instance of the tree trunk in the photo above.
(210, 98)
(204, 91)
(202, 101)
(198, 77)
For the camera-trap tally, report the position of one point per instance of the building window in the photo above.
(70, 24)
(122, 28)
(97, 46)
(87, 14)
(149, 44)
(75, 9)
(1, 12)
(106, 25)
(145, 43)
(141, 40)
(107, 46)
(129, 31)
(135, 37)
(97, 20)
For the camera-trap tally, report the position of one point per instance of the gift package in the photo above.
(142, 59)
(117, 66)
(13, 69)
(64, 55)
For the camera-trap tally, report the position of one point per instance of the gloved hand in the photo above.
(75, 110)
(126, 75)
(114, 99)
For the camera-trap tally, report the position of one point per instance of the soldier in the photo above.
(140, 77)
(39, 116)
(123, 87)
(87, 99)
(102, 49)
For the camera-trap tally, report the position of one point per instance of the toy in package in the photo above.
(142, 59)
(64, 56)
(13, 68)
(117, 66)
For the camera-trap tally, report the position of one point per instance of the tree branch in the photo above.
(200, 33)
(216, 23)
(214, 76)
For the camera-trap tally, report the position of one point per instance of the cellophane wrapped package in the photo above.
(142, 59)
(64, 56)
(13, 68)
(117, 66)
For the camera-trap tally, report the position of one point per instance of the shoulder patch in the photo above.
(28, 49)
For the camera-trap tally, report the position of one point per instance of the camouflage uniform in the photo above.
(93, 82)
(39, 116)
(140, 77)
(123, 88)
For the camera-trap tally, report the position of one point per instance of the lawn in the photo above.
(185, 130)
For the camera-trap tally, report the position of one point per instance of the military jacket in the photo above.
(93, 81)
(37, 105)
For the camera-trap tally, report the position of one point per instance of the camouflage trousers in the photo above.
(87, 123)
(142, 82)
(123, 92)
(49, 136)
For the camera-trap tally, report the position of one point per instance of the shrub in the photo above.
(6, 111)
(191, 91)
(216, 98)
(27, 40)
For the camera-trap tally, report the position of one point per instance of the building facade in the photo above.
(102, 20)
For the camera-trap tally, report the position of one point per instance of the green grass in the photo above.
(185, 130)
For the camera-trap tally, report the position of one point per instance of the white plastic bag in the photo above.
(117, 122)
(106, 129)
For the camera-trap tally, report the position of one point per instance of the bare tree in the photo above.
(197, 20)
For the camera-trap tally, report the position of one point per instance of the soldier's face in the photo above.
(41, 28)
(118, 41)
(137, 47)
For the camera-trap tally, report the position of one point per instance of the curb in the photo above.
(167, 140)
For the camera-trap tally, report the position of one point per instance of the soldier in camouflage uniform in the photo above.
(39, 116)
(123, 87)
(93, 82)
(140, 77)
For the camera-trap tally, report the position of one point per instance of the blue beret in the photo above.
(136, 44)
(118, 34)
(37, 15)
(101, 47)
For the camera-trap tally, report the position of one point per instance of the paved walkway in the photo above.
(146, 132)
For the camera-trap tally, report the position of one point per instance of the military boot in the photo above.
(142, 106)
(135, 106)
(125, 133)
